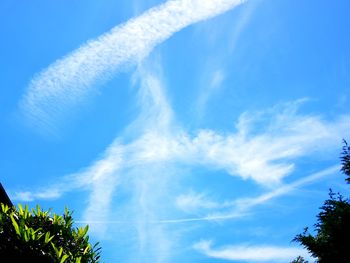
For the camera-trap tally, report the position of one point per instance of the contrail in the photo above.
(68, 80)
(243, 205)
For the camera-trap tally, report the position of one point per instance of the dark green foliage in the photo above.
(345, 161)
(40, 236)
(299, 259)
(332, 240)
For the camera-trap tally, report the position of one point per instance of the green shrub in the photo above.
(42, 236)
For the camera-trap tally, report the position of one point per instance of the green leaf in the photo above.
(48, 238)
(4, 208)
(54, 248)
(56, 219)
(66, 211)
(37, 212)
(64, 257)
(26, 213)
(60, 252)
(88, 247)
(34, 234)
(82, 231)
(20, 209)
(26, 236)
(15, 225)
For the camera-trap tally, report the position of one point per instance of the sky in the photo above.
(179, 130)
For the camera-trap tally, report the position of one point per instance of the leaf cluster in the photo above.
(42, 236)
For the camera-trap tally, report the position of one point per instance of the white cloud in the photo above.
(209, 88)
(250, 253)
(103, 178)
(226, 210)
(213, 73)
(195, 202)
(70, 79)
(218, 78)
(25, 196)
(240, 207)
(265, 154)
(243, 21)
(52, 192)
(156, 113)
(263, 148)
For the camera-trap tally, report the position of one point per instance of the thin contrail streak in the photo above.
(68, 80)
(238, 212)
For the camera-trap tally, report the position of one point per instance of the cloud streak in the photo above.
(250, 253)
(237, 208)
(265, 155)
(263, 148)
(242, 206)
(138, 174)
(71, 79)
(208, 90)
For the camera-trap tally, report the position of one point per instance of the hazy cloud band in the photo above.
(68, 80)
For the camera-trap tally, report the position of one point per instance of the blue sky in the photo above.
(180, 131)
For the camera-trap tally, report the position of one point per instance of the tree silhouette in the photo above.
(331, 243)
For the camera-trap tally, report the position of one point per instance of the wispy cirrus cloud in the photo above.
(250, 253)
(208, 90)
(263, 148)
(69, 80)
(260, 142)
(135, 180)
(215, 71)
(193, 202)
(240, 207)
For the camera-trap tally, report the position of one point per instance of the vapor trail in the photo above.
(240, 206)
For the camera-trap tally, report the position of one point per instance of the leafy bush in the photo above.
(42, 236)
